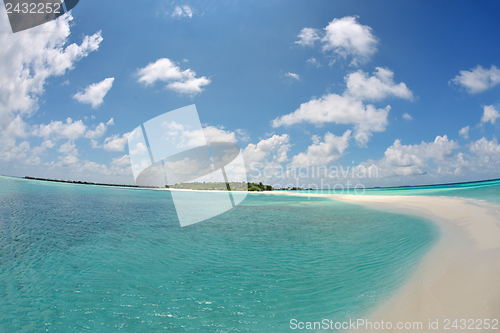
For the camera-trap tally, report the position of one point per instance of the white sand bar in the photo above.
(459, 278)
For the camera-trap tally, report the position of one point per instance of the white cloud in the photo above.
(182, 11)
(490, 115)
(99, 130)
(478, 79)
(94, 94)
(121, 161)
(308, 36)
(338, 109)
(93, 168)
(271, 150)
(189, 87)
(314, 62)
(483, 147)
(16, 128)
(323, 153)
(71, 130)
(487, 156)
(12, 152)
(28, 58)
(66, 161)
(94, 144)
(180, 136)
(349, 107)
(68, 148)
(263, 158)
(218, 134)
(182, 82)
(117, 172)
(407, 117)
(376, 87)
(346, 37)
(293, 76)
(242, 135)
(408, 160)
(47, 144)
(35, 152)
(116, 142)
(464, 132)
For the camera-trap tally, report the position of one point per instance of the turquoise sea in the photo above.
(77, 258)
(488, 190)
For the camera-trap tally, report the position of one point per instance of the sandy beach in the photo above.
(458, 279)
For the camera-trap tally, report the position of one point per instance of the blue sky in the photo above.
(385, 84)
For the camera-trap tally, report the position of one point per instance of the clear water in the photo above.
(77, 258)
(483, 190)
(488, 190)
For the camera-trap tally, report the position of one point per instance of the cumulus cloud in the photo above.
(293, 76)
(407, 117)
(349, 108)
(408, 160)
(99, 130)
(68, 148)
(376, 87)
(181, 136)
(16, 128)
(333, 108)
(121, 161)
(165, 70)
(313, 61)
(490, 115)
(218, 134)
(483, 147)
(116, 142)
(66, 161)
(271, 150)
(94, 94)
(189, 87)
(464, 132)
(28, 59)
(321, 153)
(478, 79)
(12, 152)
(344, 37)
(71, 130)
(486, 156)
(242, 135)
(182, 11)
(308, 36)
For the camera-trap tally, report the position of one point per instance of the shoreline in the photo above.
(459, 278)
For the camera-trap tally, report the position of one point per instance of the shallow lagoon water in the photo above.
(483, 190)
(93, 258)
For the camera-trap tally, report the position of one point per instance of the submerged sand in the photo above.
(458, 279)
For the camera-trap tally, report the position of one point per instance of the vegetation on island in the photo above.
(85, 183)
(232, 186)
(208, 186)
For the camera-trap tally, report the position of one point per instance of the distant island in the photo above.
(86, 183)
(232, 186)
(208, 186)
